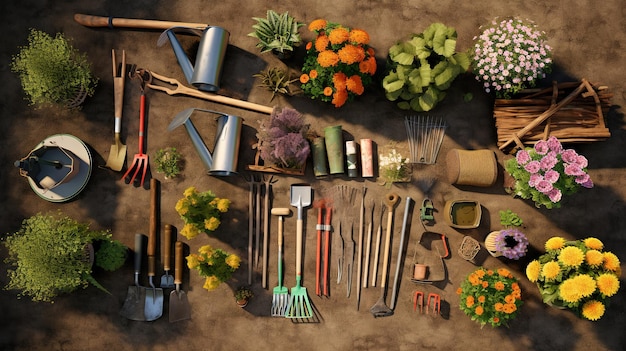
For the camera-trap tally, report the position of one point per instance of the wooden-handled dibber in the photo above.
(116, 22)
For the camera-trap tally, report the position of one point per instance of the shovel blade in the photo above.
(153, 307)
(133, 307)
(117, 157)
(179, 306)
(167, 281)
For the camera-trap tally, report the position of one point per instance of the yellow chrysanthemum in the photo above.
(317, 25)
(594, 243)
(206, 249)
(327, 59)
(550, 270)
(189, 231)
(575, 288)
(611, 262)
(211, 223)
(192, 261)
(593, 310)
(189, 191)
(359, 36)
(608, 284)
(181, 207)
(571, 256)
(338, 35)
(532, 270)
(222, 205)
(555, 243)
(233, 261)
(321, 42)
(211, 283)
(594, 258)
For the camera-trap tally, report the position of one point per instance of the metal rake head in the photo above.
(280, 303)
(299, 307)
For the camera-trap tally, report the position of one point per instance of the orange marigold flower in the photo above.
(504, 272)
(304, 78)
(481, 299)
(321, 43)
(498, 306)
(469, 301)
(499, 286)
(327, 58)
(459, 291)
(372, 62)
(350, 54)
(490, 272)
(359, 36)
(317, 25)
(339, 80)
(313, 74)
(479, 310)
(309, 45)
(328, 91)
(509, 308)
(340, 97)
(496, 320)
(480, 273)
(485, 284)
(515, 286)
(355, 85)
(509, 298)
(338, 35)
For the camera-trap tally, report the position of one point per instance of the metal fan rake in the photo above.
(425, 135)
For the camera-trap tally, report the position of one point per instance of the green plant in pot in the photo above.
(277, 33)
(52, 71)
(53, 255)
(243, 294)
(168, 161)
(423, 67)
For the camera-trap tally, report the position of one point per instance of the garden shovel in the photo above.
(179, 305)
(117, 154)
(133, 307)
(154, 297)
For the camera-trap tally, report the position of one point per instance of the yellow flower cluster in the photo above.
(339, 63)
(215, 265)
(576, 274)
(489, 296)
(201, 211)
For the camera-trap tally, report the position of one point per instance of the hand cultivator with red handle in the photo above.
(140, 161)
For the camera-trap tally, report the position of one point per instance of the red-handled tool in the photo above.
(140, 161)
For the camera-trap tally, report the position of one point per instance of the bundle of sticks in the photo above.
(571, 111)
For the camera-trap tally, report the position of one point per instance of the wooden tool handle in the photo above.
(383, 282)
(114, 22)
(119, 79)
(154, 184)
(167, 247)
(178, 265)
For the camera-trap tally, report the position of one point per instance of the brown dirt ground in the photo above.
(588, 39)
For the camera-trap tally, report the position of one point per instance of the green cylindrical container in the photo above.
(333, 136)
(320, 162)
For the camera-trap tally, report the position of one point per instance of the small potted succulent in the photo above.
(54, 254)
(277, 33)
(168, 162)
(52, 71)
(243, 295)
(283, 143)
(422, 68)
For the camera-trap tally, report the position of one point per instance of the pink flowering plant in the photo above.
(511, 55)
(547, 172)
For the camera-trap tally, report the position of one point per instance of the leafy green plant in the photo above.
(50, 256)
(110, 255)
(51, 70)
(423, 67)
(277, 32)
(168, 161)
(510, 219)
(243, 293)
(276, 80)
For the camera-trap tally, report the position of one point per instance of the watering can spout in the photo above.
(209, 59)
(223, 161)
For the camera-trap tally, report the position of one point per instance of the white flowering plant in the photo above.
(392, 167)
(511, 55)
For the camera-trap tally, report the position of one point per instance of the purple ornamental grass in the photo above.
(291, 150)
(282, 139)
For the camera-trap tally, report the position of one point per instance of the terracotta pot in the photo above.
(242, 303)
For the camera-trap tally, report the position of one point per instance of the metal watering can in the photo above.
(223, 161)
(210, 57)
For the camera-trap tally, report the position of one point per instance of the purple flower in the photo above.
(541, 147)
(554, 144)
(569, 156)
(584, 180)
(555, 195)
(532, 167)
(552, 176)
(573, 169)
(548, 162)
(544, 186)
(512, 243)
(588, 184)
(522, 157)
